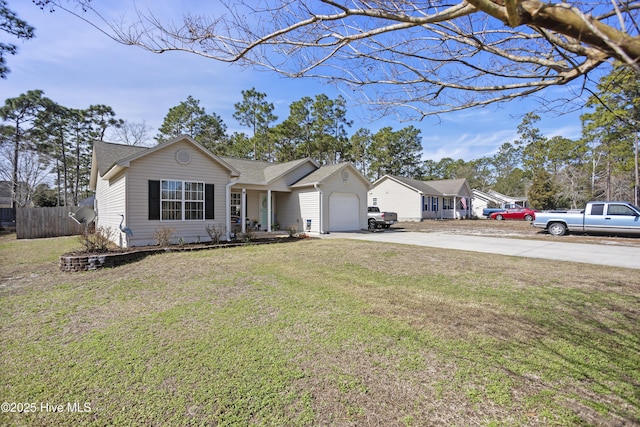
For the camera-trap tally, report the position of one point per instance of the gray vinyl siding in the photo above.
(309, 203)
(110, 203)
(162, 165)
(288, 213)
(395, 197)
(299, 173)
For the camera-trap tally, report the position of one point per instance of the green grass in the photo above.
(319, 332)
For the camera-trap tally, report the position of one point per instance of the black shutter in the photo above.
(154, 200)
(208, 201)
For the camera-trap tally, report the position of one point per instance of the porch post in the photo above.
(455, 207)
(243, 210)
(227, 209)
(268, 210)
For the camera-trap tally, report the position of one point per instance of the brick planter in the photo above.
(84, 262)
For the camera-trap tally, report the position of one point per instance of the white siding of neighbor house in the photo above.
(109, 204)
(335, 184)
(162, 165)
(478, 206)
(395, 197)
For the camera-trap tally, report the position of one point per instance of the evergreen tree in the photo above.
(18, 116)
(359, 149)
(11, 24)
(542, 193)
(396, 153)
(611, 130)
(189, 118)
(257, 114)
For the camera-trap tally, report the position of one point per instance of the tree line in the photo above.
(41, 139)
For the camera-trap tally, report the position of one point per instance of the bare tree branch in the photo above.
(427, 55)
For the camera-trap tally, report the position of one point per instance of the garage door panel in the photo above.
(344, 212)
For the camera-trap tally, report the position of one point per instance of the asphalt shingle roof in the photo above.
(320, 174)
(258, 172)
(108, 154)
(251, 171)
(440, 187)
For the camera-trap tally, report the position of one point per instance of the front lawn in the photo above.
(317, 332)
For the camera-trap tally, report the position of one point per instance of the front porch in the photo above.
(445, 207)
(252, 210)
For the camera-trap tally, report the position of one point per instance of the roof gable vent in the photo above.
(183, 157)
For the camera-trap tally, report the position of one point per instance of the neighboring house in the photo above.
(493, 199)
(415, 200)
(6, 195)
(181, 185)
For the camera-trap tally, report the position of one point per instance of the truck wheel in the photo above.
(557, 229)
(528, 217)
(499, 217)
(372, 224)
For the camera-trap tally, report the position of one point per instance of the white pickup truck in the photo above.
(377, 219)
(596, 217)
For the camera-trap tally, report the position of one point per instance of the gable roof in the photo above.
(258, 172)
(451, 187)
(109, 158)
(443, 187)
(107, 154)
(327, 171)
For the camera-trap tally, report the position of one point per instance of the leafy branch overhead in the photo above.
(430, 56)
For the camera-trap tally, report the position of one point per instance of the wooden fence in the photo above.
(34, 223)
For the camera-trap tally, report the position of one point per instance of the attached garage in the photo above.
(335, 195)
(344, 212)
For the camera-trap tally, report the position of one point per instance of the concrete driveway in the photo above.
(615, 256)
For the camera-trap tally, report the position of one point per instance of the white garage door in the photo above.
(344, 212)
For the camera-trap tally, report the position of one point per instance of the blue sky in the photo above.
(77, 66)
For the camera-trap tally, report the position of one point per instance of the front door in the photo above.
(264, 211)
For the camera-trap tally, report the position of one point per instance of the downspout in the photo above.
(227, 204)
(321, 225)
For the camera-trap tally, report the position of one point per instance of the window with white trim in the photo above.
(447, 203)
(181, 200)
(434, 204)
(236, 204)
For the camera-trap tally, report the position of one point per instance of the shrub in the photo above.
(216, 232)
(97, 241)
(292, 230)
(163, 235)
(248, 235)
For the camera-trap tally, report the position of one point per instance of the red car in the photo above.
(518, 213)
